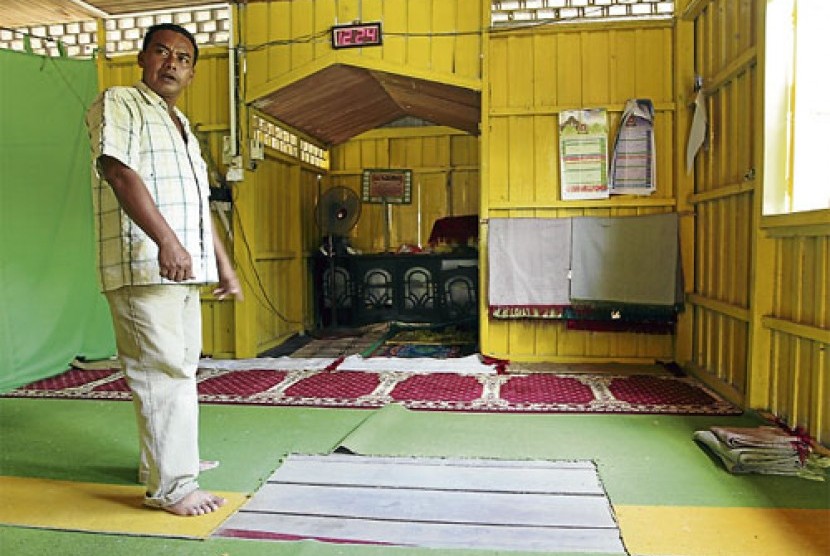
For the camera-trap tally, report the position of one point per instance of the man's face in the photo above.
(167, 64)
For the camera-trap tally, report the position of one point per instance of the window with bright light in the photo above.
(797, 107)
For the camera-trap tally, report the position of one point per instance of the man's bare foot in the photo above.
(196, 503)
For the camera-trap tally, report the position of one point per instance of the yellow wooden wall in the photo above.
(757, 318)
(531, 76)
(434, 39)
(762, 283)
(725, 41)
(790, 357)
(281, 42)
(445, 180)
(791, 376)
(272, 220)
(273, 237)
(276, 200)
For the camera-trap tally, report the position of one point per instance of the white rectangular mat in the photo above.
(553, 506)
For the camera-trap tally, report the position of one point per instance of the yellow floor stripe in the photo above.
(102, 508)
(646, 530)
(706, 531)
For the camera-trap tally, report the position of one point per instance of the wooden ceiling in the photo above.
(341, 101)
(332, 105)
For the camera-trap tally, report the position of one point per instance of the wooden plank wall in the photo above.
(725, 35)
(286, 41)
(762, 283)
(436, 39)
(532, 75)
(796, 384)
(445, 180)
(757, 321)
(278, 200)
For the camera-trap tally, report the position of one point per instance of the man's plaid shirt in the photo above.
(131, 124)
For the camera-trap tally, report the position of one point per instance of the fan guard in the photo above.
(338, 211)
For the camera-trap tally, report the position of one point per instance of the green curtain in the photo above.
(50, 308)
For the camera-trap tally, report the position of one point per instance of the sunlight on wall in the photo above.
(797, 116)
(811, 187)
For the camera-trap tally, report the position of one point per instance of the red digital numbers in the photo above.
(366, 35)
(349, 36)
(342, 37)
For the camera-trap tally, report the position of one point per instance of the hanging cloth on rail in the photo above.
(697, 134)
(530, 261)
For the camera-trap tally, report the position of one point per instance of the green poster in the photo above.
(583, 153)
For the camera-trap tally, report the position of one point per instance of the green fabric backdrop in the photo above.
(50, 307)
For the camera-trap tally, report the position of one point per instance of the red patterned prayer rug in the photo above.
(508, 393)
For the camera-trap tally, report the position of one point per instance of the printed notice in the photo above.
(632, 164)
(583, 153)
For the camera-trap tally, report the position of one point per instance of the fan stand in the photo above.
(337, 212)
(387, 221)
(332, 283)
(333, 329)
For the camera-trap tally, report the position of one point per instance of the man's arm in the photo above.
(174, 260)
(228, 283)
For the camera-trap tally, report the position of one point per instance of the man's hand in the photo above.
(175, 262)
(228, 285)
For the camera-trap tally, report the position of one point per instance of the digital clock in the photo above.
(358, 34)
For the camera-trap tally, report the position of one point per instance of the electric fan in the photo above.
(337, 212)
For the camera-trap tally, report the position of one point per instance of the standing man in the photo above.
(156, 247)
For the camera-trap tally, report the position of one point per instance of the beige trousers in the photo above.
(158, 336)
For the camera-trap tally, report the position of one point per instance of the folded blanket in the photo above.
(768, 460)
(759, 437)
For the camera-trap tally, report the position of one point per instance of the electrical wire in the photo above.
(589, 14)
(303, 39)
(262, 296)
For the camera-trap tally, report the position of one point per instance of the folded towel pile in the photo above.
(765, 449)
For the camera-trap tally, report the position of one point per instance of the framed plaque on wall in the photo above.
(387, 186)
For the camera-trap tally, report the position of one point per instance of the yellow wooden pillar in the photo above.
(684, 74)
(762, 276)
(484, 182)
(244, 221)
(100, 53)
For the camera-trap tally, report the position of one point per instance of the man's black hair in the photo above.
(171, 27)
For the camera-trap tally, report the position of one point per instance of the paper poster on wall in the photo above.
(583, 153)
(633, 168)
